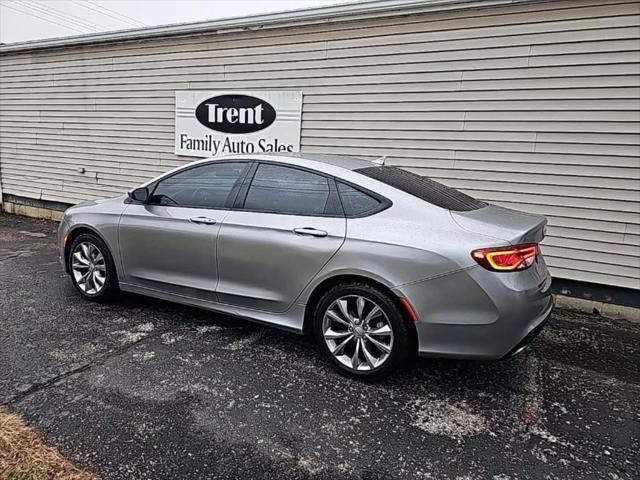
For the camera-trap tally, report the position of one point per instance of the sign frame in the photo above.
(205, 121)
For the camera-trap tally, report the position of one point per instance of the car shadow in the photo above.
(422, 369)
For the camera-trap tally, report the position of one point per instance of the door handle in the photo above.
(203, 220)
(310, 231)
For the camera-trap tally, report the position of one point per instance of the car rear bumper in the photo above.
(477, 314)
(485, 342)
(529, 337)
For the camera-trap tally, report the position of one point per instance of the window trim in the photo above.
(231, 196)
(236, 202)
(333, 191)
(384, 201)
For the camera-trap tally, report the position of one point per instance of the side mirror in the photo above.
(139, 194)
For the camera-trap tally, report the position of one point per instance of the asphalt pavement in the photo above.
(144, 389)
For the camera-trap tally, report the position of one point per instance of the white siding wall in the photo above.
(533, 106)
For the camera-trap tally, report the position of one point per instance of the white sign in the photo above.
(212, 123)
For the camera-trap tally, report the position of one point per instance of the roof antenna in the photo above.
(380, 160)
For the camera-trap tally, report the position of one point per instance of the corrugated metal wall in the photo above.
(533, 106)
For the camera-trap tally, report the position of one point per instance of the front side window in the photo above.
(206, 186)
(280, 189)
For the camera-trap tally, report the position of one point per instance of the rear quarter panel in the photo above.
(409, 242)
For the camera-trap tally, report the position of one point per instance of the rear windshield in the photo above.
(424, 188)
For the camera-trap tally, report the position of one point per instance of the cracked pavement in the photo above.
(147, 389)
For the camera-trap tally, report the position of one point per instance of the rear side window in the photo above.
(279, 189)
(356, 203)
(424, 188)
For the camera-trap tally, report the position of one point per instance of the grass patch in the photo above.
(24, 456)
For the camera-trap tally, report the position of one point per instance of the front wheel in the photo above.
(362, 331)
(92, 269)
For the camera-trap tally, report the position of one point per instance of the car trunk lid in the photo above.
(504, 224)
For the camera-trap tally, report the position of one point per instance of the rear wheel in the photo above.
(362, 331)
(92, 269)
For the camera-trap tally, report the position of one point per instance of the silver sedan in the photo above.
(378, 263)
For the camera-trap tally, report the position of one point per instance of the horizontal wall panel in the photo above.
(588, 177)
(144, 162)
(504, 146)
(586, 246)
(559, 160)
(384, 125)
(533, 106)
(574, 212)
(332, 103)
(570, 188)
(393, 112)
(630, 239)
(577, 42)
(212, 65)
(590, 225)
(475, 26)
(423, 110)
(72, 167)
(565, 234)
(583, 98)
(566, 166)
(602, 267)
(513, 136)
(581, 275)
(605, 260)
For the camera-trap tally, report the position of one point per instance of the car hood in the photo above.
(90, 204)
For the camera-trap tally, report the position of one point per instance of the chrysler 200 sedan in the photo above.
(376, 262)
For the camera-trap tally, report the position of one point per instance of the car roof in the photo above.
(344, 161)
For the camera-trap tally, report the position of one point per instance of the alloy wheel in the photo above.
(357, 332)
(89, 268)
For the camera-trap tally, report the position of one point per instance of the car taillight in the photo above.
(506, 259)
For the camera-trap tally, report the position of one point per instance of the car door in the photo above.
(169, 242)
(288, 225)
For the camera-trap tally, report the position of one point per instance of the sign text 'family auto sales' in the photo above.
(212, 123)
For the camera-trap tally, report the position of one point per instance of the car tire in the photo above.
(358, 313)
(91, 268)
